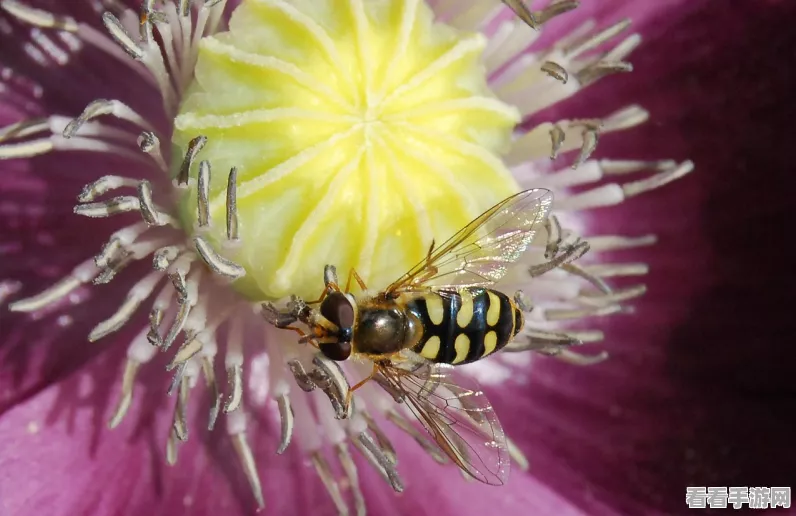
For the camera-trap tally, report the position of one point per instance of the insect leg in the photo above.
(368, 378)
(352, 274)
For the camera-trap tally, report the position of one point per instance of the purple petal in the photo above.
(699, 388)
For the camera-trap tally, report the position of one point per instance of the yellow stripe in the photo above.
(493, 314)
(490, 341)
(431, 348)
(462, 346)
(436, 312)
(465, 314)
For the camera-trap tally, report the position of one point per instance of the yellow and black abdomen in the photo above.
(466, 325)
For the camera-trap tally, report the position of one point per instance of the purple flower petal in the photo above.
(699, 389)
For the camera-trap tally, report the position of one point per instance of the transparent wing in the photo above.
(480, 253)
(459, 419)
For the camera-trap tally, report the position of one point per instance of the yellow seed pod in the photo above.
(361, 131)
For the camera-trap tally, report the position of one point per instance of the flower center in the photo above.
(361, 132)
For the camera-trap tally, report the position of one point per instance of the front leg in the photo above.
(297, 310)
(277, 317)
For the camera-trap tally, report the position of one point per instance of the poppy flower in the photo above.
(259, 142)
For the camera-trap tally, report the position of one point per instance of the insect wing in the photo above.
(479, 254)
(460, 420)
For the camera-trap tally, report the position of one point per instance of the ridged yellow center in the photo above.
(361, 130)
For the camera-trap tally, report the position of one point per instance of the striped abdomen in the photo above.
(464, 326)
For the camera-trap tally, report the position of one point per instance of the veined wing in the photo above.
(480, 253)
(459, 419)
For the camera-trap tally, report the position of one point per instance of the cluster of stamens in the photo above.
(191, 274)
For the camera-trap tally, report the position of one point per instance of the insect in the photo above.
(441, 313)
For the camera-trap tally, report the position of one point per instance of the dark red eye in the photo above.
(338, 310)
(337, 351)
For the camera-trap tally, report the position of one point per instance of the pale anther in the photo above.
(137, 295)
(182, 315)
(303, 380)
(235, 383)
(194, 147)
(103, 185)
(149, 212)
(287, 422)
(573, 358)
(216, 262)
(557, 137)
(232, 205)
(128, 380)
(327, 477)
(597, 282)
(554, 9)
(115, 206)
(539, 339)
(114, 266)
(246, 458)
(597, 39)
(625, 118)
(657, 180)
(101, 107)
(203, 194)
(149, 143)
(155, 319)
(561, 314)
(600, 69)
(379, 460)
(523, 12)
(177, 279)
(163, 257)
(611, 167)
(172, 446)
(215, 395)
(38, 17)
(556, 71)
(26, 149)
(590, 139)
(109, 252)
(180, 424)
(617, 296)
(192, 345)
(337, 388)
(118, 32)
(350, 469)
(24, 128)
(570, 253)
(381, 438)
(610, 270)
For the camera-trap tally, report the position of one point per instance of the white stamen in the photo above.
(38, 17)
(137, 295)
(236, 426)
(81, 274)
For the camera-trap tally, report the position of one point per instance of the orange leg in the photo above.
(323, 294)
(360, 384)
(352, 274)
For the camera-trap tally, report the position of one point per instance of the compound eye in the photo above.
(337, 351)
(337, 309)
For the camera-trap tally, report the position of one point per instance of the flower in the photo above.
(201, 259)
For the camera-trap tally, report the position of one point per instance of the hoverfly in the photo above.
(441, 313)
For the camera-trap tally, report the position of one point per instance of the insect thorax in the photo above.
(384, 327)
